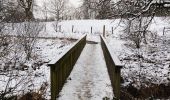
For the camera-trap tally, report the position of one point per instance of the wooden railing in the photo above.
(114, 66)
(62, 66)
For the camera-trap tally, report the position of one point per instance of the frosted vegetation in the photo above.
(32, 33)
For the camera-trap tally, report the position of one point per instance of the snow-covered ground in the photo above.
(156, 72)
(155, 66)
(47, 49)
(32, 79)
(159, 71)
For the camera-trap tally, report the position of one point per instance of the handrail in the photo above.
(113, 65)
(61, 67)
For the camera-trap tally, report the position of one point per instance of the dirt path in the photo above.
(89, 79)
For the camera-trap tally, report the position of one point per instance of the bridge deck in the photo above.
(89, 79)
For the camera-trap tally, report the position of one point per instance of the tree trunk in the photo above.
(28, 14)
(86, 9)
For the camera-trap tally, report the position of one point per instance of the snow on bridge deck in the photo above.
(89, 79)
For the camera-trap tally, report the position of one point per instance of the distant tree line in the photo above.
(108, 9)
(22, 10)
(17, 10)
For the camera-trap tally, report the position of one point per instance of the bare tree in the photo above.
(134, 14)
(28, 34)
(86, 5)
(137, 30)
(27, 5)
(11, 11)
(133, 8)
(90, 8)
(96, 9)
(1, 16)
(104, 9)
(45, 10)
(78, 13)
(137, 25)
(4, 40)
(57, 8)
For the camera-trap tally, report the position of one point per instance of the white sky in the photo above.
(76, 3)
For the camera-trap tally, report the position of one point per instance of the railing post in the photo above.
(117, 82)
(54, 79)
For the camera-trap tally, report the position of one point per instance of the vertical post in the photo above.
(45, 27)
(112, 30)
(117, 82)
(164, 31)
(91, 29)
(164, 39)
(13, 26)
(54, 85)
(60, 28)
(66, 17)
(104, 31)
(72, 28)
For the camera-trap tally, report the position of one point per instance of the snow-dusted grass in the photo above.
(156, 71)
(31, 79)
(155, 64)
(48, 49)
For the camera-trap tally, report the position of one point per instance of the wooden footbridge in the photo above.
(89, 54)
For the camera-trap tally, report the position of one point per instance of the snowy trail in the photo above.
(89, 79)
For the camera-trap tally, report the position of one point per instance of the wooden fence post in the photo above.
(60, 28)
(66, 18)
(91, 29)
(72, 28)
(104, 31)
(112, 30)
(164, 31)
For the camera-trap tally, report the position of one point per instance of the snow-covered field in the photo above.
(33, 78)
(155, 70)
(155, 64)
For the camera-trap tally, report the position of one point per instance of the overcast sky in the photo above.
(76, 3)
